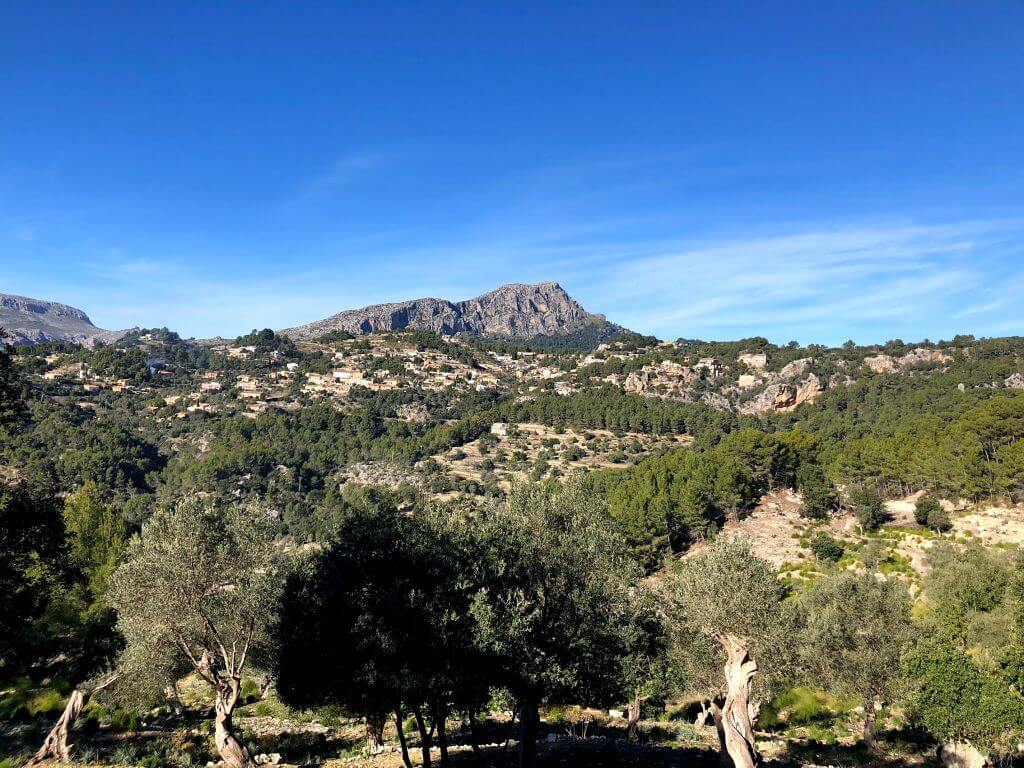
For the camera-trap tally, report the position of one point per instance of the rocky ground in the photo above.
(778, 533)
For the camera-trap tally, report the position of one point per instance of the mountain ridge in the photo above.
(513, 311)
(541, 311)
(29, 321)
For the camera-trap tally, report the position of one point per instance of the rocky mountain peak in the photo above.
(515, 310)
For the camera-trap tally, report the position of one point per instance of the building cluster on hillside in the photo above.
(80, 375)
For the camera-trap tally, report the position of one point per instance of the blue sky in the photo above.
(800, 170)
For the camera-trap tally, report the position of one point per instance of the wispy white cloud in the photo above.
(814, 282)
(817, 284)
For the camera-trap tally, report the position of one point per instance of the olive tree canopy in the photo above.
(555, 599)
(734, 598)
(854, 629)
(195, 592)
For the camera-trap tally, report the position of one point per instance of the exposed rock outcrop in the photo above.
(920, 356)
(795, 369)
(28, 321)
(519, 311)
(783, 397)
(1014, 381)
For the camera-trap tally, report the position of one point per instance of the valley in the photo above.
(822, 465)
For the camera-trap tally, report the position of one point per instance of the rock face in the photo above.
(27, 321)
(920, 356)
(784, 397)
(795, 369)
(520, 311)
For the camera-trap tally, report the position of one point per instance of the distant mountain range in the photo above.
(28, 321)
(538, 312)
(513, 311)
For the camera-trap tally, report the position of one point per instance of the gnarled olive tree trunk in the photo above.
(55, 745)
(440, 717)
(400, 729)
(739, 730)
(231, 750)
(426, 737)
(870, 731)
(717, 704)
(173, 699)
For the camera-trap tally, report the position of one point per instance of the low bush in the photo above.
(826, 548)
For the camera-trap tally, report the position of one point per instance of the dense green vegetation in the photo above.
(142, 543)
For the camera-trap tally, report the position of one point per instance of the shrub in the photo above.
(47, 703)
(826, 548)
(124, 721)
(555, 716)
(938, 520)
(125, 755)
(868, 508)
(925, 506)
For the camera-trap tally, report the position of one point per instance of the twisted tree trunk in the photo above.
(716, 714)
(870, 732)
(425, 737)
(440, 718)
(474, 738)
(375, 734)
(173, 699)
(739, 730)
(55, 745)
(230, 749)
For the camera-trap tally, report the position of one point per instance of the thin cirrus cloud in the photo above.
(820, 285)
(823, 285)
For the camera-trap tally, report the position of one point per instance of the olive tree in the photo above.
(958, 702)
(89, 542)
(854, 628)
(195, 592)
(868, 508)
(378, 623)
(964, 674)
(733, 598)
(696, 664)
(55, 746)
(555, 599)
(644, 661)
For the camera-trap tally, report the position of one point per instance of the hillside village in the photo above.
(245, 379)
